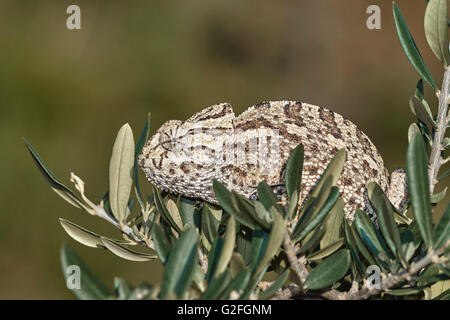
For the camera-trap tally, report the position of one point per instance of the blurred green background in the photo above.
(68, 92)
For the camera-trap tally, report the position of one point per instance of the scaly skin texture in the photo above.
(183, 157)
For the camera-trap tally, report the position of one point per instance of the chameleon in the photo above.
(184, 157)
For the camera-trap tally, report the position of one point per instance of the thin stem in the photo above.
(365, 292)
(99, 211)
(389, 282)
(298, 267)
(441, 122)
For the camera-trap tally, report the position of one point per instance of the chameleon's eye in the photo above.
(166, 141)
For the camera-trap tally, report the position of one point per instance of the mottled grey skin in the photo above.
(183, 157)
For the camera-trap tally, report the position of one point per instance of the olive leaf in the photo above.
(418, 187)
(330, 270)
(422, 111)
(275, 240)
(410, 48)
(81, 235)
(229, 241)
(436, 29)
(293, 171)
(301, 232)
(179, 269)
(120, 172)
(386, 218)
(126, 253)
(333, 224)
(54, 182)
(325, 252)
(267, 196)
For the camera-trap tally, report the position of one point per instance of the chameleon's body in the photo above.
(184, 157)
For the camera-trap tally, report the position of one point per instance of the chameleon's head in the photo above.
(398, 189)
(182, 156)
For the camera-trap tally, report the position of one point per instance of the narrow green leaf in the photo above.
(223, 195)
(237, 264)
(351, 243)
(329, 271)
(267, 196)
(422, 111)
(324, 210)
(410, 48)
(174, 213)
(120, 172)
(161, 242)
(442, 231)
(229, 241)
(331, 174)
(412, 130)
(325, 252)
(179, 269)
(293, 206)
(436, 29)
(408, 245)
(363, 249)
(243, 210)
(333, 224)
(162, 209)
(84, 236)
(213, 258)
(81, 235)
(259, 241)
(263, 215)
(404, 291)
(91, 288)
(244, 243)
(54, 182)
(275, 240)
(293, 171)
(210, 225)
(419, 92)
(311, 243)
(369, 234)
(386, 219)
(418, 187)
(189, 213)
(126, 253)
(233, 204)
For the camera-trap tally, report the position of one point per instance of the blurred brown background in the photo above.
(68, 92)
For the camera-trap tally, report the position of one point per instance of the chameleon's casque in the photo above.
(183, 157)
